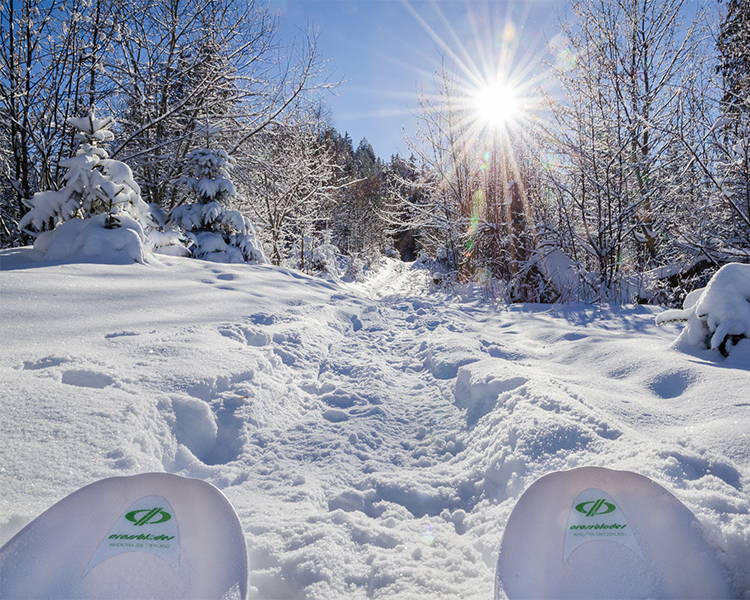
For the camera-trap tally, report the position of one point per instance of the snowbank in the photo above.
(89, 239)
(717, 316)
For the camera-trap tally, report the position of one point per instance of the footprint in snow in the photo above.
(116, 334)
(261, 319)
(691, 468)
(572, 337)
(341, 399)
(44, 363)
(250, 336)
(334, 415)
(671, 384)
(86, 378)
(345, 406)
(211, 431)
(120, 460)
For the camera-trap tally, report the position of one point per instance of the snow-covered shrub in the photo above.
(355, 269)
(560, 271)
(717, 316)
(164, 238)
(315, 254)
(324, 259)
(215, 232)
(99, 210)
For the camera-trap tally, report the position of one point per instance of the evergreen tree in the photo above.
(365, 160)
(215, 232)
(402, 196)
(359, 228)
(98, 192)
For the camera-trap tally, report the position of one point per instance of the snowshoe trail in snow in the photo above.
(375, 436)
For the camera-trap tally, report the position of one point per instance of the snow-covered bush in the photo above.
(215, 232)
(561, 272)
(717, 316)
(91, 238)
(98, 212)
(355, 269)
(164, 238)
(316, 254)
(325, 258)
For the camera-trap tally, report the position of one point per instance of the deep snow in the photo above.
(373, 437)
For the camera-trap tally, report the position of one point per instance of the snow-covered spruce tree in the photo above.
(98, 212)
(215, 232)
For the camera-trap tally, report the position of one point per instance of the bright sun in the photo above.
(496, 104)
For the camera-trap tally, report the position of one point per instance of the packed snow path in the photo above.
(373, 437)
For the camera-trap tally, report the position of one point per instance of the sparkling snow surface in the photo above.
(373, 437)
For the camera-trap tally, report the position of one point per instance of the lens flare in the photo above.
(428, 535)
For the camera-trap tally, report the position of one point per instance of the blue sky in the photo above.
(385, 51)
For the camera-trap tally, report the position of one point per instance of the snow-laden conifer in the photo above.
(98, 212)
(215, 232)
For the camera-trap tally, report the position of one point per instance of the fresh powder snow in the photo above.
(373, 436)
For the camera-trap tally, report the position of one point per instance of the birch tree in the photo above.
(612, 130)
(184, 62)
(290, 184)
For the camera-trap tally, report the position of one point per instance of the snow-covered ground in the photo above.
(373, 437)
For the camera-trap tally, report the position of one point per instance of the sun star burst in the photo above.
(496, 104)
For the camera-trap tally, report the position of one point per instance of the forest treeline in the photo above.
(633, 185)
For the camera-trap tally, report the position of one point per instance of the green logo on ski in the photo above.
(596, 507)
(152, 516)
